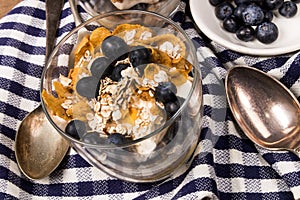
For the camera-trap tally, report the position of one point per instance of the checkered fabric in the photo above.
(226, 164)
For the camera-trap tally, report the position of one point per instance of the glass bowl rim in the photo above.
(159, 10)
(196, 77)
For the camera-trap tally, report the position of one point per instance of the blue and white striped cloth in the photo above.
(226, 165)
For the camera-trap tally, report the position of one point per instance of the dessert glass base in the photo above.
(161, 166)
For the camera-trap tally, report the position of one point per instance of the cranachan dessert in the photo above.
(125, 84)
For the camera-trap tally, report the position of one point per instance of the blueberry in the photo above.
(288, 9)
(116, 138)
(215, 2)
(246, 33)
(87, 86)
(114, 47)
(252, 15)
(140, 6)
(116, 73)
(121, 57)
(165, 92)
(93, 138)
(238, 2)
(139, 55)
(76, 129)
(268, 16)
(171, 107)
(230, 24)
(101, 67)
(267, 32)
(171, 132)
(257, 2)
(140, 69)
(224, 10)
(272, 4)
(238, 10)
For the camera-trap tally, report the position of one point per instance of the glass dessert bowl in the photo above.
(129, 98)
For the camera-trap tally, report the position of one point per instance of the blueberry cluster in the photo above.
(250, 19)
(110, 65)
(77, 129)
(114, 49)
(165, 93)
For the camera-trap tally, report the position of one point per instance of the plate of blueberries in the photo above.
(254, 27)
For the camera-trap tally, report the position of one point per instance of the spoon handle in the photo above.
(77, 18)
(53, 11)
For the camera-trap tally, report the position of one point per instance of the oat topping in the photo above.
(172, 50)
(124, 101)
(145, 35)
(65, 81)
(67, 104)
(161, 76)
(129, 36)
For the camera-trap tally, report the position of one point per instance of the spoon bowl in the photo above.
(40, 149)
(267, 112)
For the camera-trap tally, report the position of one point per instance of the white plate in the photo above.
(287, 41)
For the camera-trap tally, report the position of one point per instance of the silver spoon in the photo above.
(39, 149)
(267, 112)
